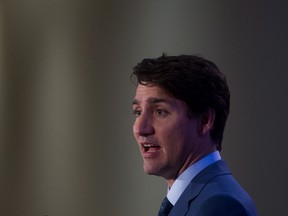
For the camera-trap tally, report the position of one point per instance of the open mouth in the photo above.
(151, 148)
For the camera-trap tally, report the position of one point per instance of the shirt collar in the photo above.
(185, 178)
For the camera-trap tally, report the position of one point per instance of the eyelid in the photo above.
(136, 111)
(161, 112)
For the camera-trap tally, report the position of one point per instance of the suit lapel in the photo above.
(196, 185)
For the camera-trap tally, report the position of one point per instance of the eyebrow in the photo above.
(152, 100)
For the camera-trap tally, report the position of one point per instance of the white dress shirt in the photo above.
(185, 178)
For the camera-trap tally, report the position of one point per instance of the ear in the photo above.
(206, 121)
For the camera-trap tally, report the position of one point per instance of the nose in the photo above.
(143, 126)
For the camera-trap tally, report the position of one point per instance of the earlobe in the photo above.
(207, 121)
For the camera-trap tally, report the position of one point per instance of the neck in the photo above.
(192, 159)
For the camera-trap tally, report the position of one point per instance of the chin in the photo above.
(149, 171)
(152, 171)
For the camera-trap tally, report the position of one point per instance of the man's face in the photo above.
(165, 135)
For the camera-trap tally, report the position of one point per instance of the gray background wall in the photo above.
(66, 145)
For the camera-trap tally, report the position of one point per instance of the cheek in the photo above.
(178, 136)
(134, 130)
(171, 136)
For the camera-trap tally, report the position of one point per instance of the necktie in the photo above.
(165, 208)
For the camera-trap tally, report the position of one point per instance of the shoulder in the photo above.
(223, 196)
(222, 204)
(215, 192)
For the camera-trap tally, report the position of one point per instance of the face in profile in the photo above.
(166, 136)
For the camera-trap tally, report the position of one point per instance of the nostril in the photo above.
(145, 130)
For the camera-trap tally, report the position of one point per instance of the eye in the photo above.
(161, 112)
(136, 112)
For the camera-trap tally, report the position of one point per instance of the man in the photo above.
(181, 106)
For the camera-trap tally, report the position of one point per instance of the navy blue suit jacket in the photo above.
(214, 192)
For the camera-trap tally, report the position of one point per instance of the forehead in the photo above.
(153, 94)
(143, 90)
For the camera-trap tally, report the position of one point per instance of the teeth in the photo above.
(149, 145)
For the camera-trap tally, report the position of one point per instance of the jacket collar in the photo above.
(197, 184)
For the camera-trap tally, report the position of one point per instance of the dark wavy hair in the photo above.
(192, 79)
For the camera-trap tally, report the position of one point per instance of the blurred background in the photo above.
(66, 143)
